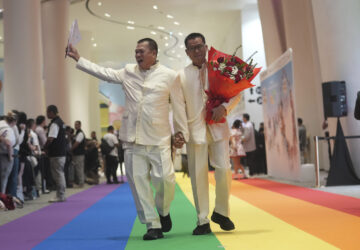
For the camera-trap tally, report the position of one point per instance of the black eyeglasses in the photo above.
(197, 47)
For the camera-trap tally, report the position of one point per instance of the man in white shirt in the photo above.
(7, 141)
(40, 131)
(145, 130)
(248, 140)
(206, 141)
(78, 155)
(111, 159)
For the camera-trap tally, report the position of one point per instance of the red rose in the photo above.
(228, 69)
(227, 74)
(220, 59)
(230, 63)
(237, 78)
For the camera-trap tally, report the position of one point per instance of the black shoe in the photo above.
(153, 234)
(202, 229)
(224, 222)
(166, 223)
(109, 182)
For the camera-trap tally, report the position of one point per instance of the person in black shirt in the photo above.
(78, 154)
(55, 147)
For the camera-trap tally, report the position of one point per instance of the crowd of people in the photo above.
(36, 158)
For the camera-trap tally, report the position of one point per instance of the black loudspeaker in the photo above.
(334, 97)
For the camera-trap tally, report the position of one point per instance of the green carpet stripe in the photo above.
(183, 216)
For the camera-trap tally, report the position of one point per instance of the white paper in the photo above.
(75, 35)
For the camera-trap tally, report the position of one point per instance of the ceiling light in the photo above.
(155, 7)
(166, 38)
(107, 15)
(94, 44)
(99, 3)
(178, 55)
(161, 28)
(166, 44)
(176, 23)
(173, 51)
(153, 32)
(130, 27)
(182, 46)
(169, 16)
(92, 39)
(180, 34)
(131, 22)
(1, 10)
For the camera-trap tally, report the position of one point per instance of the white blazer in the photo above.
(195, 99)
(148, 96)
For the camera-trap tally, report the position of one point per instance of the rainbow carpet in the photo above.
(267, 215)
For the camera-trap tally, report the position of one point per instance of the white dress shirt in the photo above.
(145, 119)
(249, 137)
(7, 133)
(194, 82)
(111, 139)
(40, 131)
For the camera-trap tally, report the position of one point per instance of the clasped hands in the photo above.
(179, 140)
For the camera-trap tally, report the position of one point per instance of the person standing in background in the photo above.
(248, 141)
(56, 150)
(236, 149)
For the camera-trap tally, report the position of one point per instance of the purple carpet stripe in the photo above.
(29, 230)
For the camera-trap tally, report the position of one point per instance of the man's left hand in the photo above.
(218, 113)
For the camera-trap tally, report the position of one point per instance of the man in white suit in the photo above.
(146, 131)
(206, 141)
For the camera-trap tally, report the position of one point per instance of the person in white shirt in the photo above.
(111, 159)
(40, 130)
(206, 141)
(7, 141)
(248, 140)
(145, 130)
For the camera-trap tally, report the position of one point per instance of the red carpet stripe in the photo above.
(338, 202)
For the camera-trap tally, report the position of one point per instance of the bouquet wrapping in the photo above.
(228, 75)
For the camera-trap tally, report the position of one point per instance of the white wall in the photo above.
(338, 39)
(252, 40)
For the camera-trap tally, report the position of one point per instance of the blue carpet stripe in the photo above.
(105, 225)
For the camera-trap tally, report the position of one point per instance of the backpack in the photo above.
(105, 147)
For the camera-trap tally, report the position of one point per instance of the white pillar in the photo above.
(23, 87)
(55, 31)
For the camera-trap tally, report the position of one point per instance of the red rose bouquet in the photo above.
(228, 75)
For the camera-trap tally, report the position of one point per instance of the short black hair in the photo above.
(29, 123)
(78, 122)
(110, 128)
(300, 121)
(53, 109)
(237, 124)
(246, 116)
(40, 119)
(193, 36)
(152, 44)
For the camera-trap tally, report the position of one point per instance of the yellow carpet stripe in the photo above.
(255, 228)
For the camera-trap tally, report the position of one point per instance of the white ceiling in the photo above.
(116, 44)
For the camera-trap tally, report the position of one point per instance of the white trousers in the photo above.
(145, 164)
(198, 156)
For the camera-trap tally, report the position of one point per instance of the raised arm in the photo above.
(106, 74)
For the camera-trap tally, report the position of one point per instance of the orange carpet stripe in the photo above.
(335, 227)
(339, 202)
